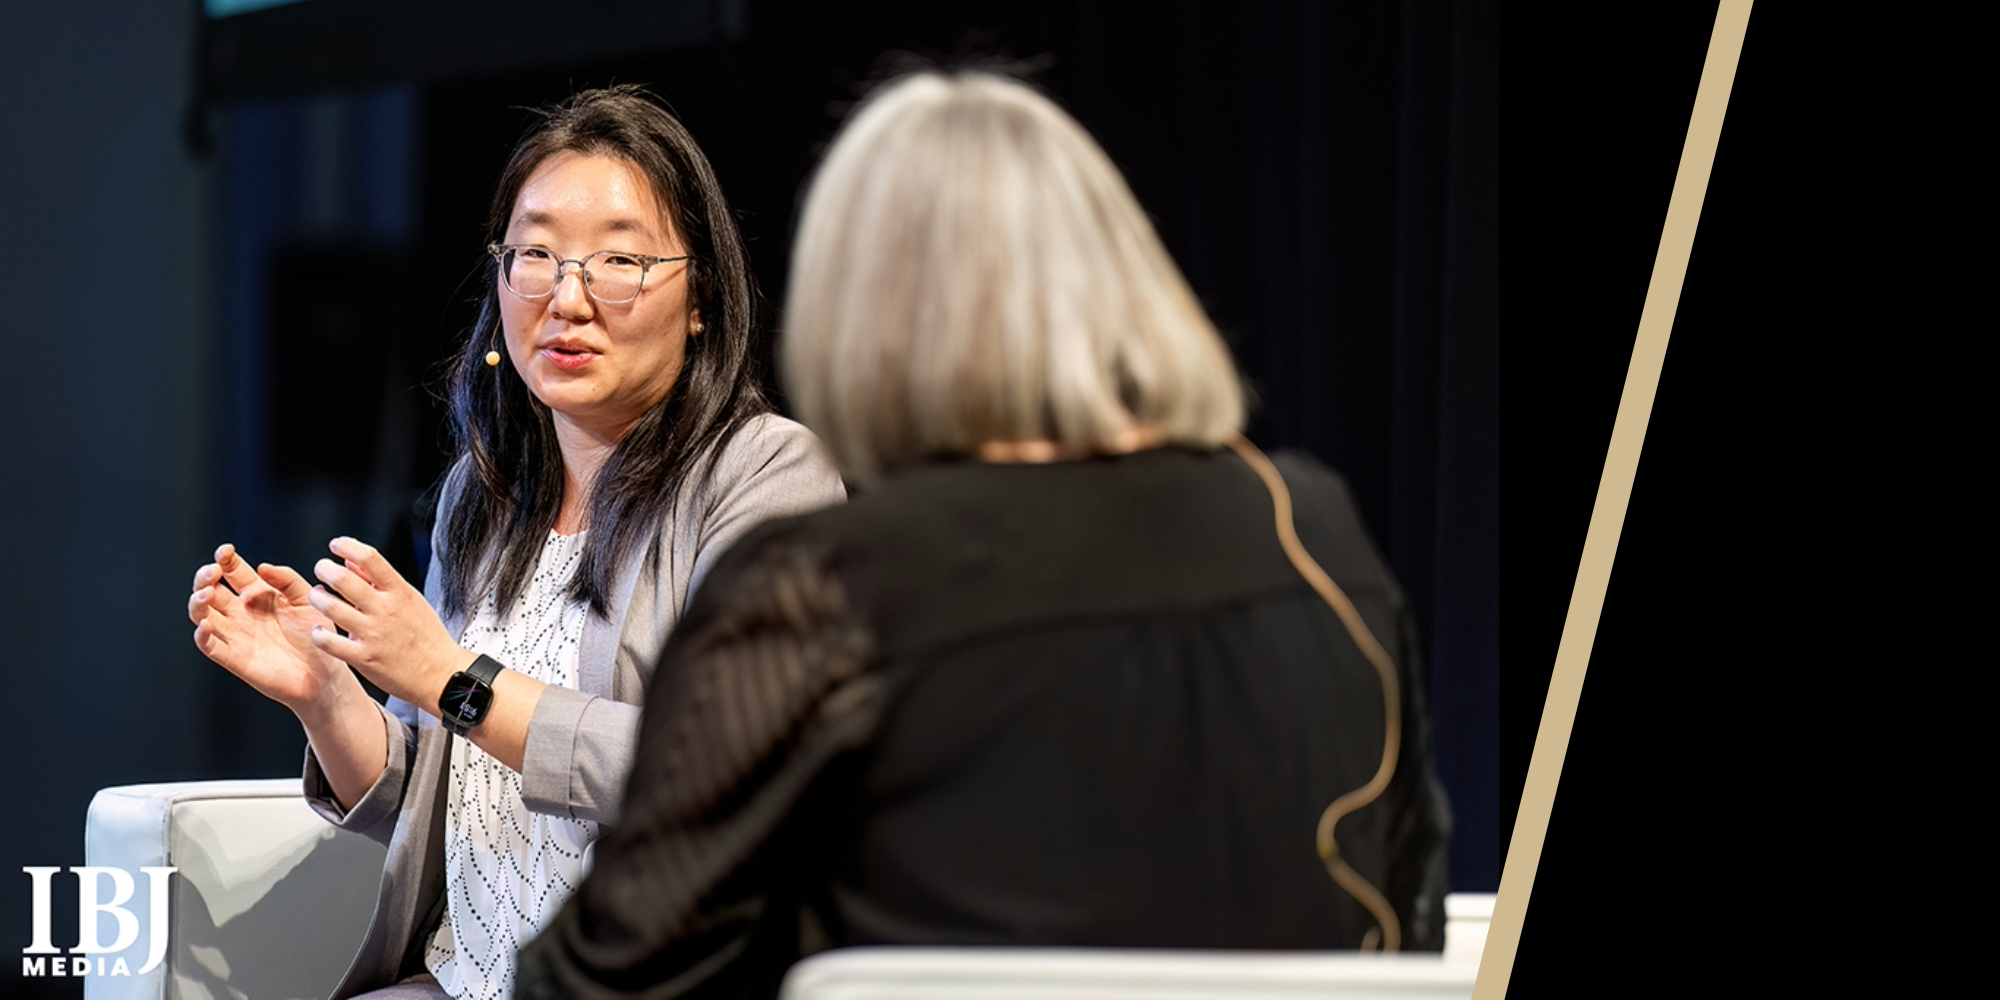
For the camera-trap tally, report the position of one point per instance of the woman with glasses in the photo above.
(1061, 673)
(612, 442)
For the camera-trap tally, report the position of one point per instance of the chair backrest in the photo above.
(1117, 974)
(269, 901)
(1130, 974)
(1466, 915)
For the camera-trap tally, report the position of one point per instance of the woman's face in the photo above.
(599, 367)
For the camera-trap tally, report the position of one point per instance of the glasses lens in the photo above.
(529, 271)
(614, 277)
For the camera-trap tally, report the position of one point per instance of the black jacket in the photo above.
(1083, 703)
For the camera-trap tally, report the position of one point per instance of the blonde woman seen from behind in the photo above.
(1050, 678)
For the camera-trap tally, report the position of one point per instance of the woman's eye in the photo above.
(620, 260)
(533, 253)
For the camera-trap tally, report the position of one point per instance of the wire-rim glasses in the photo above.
(612, 277)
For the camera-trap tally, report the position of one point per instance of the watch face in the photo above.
(465, 700)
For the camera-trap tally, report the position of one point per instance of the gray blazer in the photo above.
(580, 743)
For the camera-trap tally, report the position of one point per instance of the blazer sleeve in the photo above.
(374, 816)
(580, 745)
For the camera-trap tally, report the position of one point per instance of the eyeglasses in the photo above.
(612, 277)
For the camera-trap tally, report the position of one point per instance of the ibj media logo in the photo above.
(92, 956)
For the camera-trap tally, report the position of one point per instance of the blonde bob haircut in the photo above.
(971, 268)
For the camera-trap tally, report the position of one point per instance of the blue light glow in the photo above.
(224, 8)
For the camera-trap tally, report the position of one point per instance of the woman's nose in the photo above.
(571, 296)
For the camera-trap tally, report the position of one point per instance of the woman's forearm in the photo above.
(350, 738)
(504, 734)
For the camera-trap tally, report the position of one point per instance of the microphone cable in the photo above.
(1389, 927)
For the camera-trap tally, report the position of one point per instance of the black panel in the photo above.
(337, 44)
(1682, 842)
(1596, 114)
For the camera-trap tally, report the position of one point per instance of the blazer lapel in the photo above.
(597, 653)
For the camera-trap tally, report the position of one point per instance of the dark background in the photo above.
(1748, 797)
(194, 365)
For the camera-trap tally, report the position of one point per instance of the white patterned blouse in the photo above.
(508, 870)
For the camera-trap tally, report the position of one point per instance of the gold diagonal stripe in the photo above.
(1614, 491)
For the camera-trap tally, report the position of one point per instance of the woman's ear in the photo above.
(694, 324)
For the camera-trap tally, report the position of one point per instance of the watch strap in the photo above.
(485, 668)
(480, 674)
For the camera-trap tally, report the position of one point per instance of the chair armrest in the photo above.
(911, 973)
(269, 901)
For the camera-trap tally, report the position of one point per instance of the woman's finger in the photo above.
(367, 560)
(201, 602)
(213, 642)
(286, 581)
(337, 646)
(206, 640)
(235, 571)
(349, 585)
(219, 598)
(339, 612)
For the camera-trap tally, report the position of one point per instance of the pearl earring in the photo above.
(492, 359)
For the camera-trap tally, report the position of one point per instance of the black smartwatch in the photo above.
(468, 696)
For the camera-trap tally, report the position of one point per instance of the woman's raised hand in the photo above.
(393, 635)
(258, 624)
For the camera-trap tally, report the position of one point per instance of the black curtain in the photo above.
(1327, 176)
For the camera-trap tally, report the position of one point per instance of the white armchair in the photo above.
(269, 903)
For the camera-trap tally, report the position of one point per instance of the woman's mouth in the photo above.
(569, 358)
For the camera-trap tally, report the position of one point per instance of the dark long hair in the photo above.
(513, 481)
